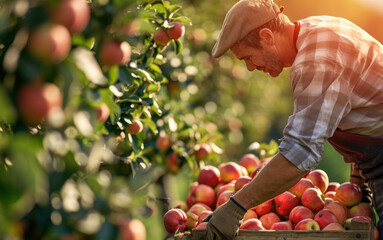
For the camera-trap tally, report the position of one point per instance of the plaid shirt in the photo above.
(337, 82)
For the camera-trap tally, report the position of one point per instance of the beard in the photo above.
(273, 65)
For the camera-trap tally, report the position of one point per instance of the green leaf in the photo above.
(152, 125)
(142, 73)
(8, 112)
(183, 19)
(124, 76)
(147, 101)
(113, 74)
(156, 108)
(178, 46)
(174, 8)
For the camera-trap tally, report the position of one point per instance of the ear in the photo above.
(266, 36)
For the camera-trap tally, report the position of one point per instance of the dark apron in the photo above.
(367, 154)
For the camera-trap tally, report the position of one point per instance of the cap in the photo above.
(243, 17)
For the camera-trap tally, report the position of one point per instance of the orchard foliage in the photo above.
(82, 106)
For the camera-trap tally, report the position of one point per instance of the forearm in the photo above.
(277, 176)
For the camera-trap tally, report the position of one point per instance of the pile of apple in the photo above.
(314, 203)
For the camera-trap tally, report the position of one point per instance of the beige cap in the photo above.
(243, 17)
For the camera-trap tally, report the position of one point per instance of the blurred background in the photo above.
(104, 173)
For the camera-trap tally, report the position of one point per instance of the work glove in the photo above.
(223, 223)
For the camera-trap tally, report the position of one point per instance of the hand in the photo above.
(223, 223)
(357, 179)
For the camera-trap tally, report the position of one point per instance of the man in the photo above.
(337, 81)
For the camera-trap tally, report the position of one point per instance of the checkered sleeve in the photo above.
(321, 99)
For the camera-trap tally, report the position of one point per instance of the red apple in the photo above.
(265, 207)
(203, 194)
(251, 213)
(50, 43)
(241, 181)
(299, 213)
(307, 224)
(193, 213)
(313, 198)
(209, 175)
(37, 101)
(269, 219)
(334, 227)
(301, 186)
(327, 200)
(284, 202)
(175, 219)
(201, 225)
(243, 171)
(223, 188)
(349, 194)
(283, 225)
(203, 215)
(202, 151)
(376, 233)
(224, 197)
(135, 127)
(329, 194)
(176, 30)
(163, 143)
(132, 229)
(172, 162)
(324, 217)
(252, 224)
(102, 112)
(319, 178)
(361, 209)
(73, 14)
(161, 37)
(114, 52)
(229, 171)
(339, 210)
(250, 162)
(332, 186)
(260, 166)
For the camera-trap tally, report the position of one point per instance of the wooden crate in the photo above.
(357, 231)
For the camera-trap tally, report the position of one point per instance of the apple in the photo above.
(203, 194)
(201, 225)
(73, 14)
(224, 187)
(176, 30)
(283, 225)
(36, 101)
(229, 171)
(250, 162)
(327, 200)
(360, 218)
(241, 181)
(50, 43)
(161, 37)
(313, 198)
(329, 194)
(243, 171)
(102, 112)
(301, 186)
(268, 219)
(252, 224)
(172, 162)
(264, 207)
(260, 166)
(299, 213)
(332, 186)
(202, 151)
(349, 194)
(209, 175)
(203, 215)
(324, 217)
(334, 227)
(115, 52)
(361, 209)
(224, 197)
(163, 143)
(131, 29)
(175, 219)
(319, 178)
(193, 213)
(251, 213)
(132, 229)
(135, 127)
(339, 210)
(376, 233)
(284, 202)
(307, 224)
